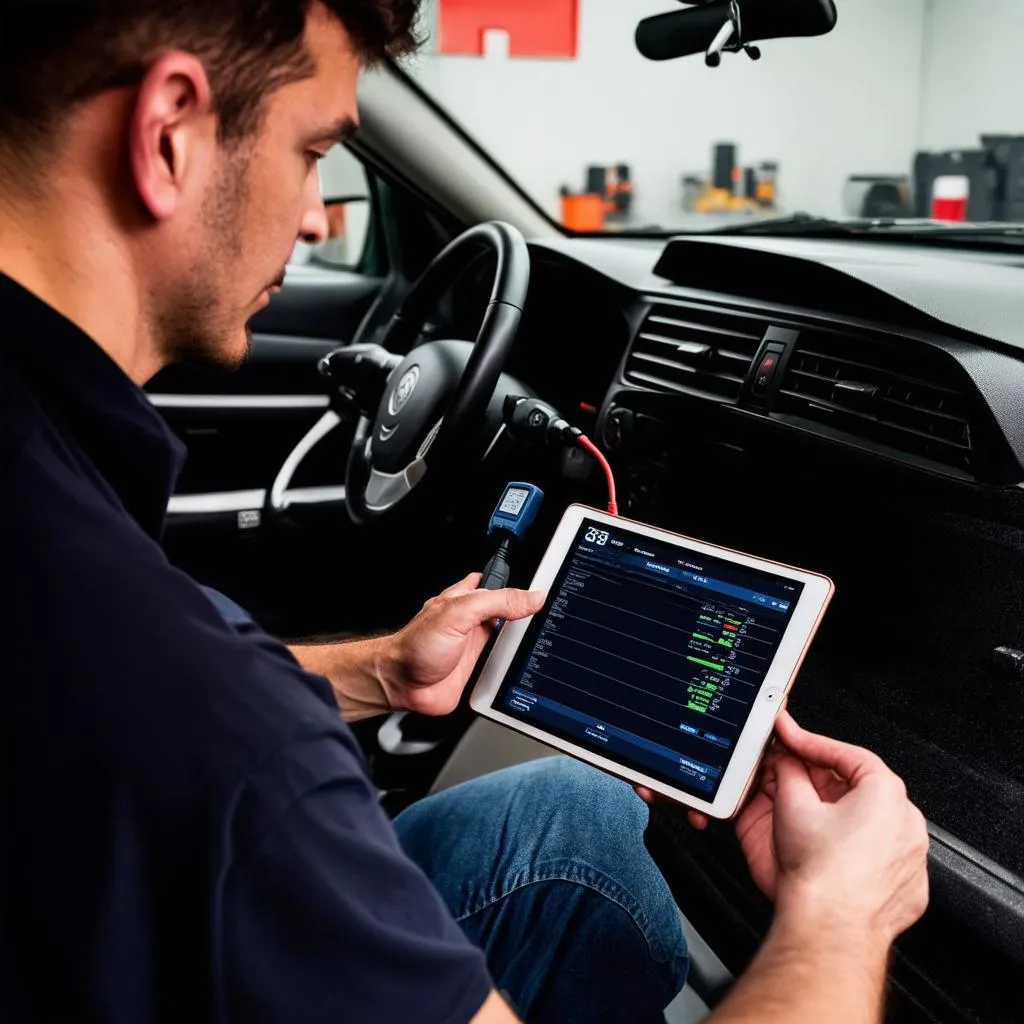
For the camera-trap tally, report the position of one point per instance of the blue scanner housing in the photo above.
(516, 511)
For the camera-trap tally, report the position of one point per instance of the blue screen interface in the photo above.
(650, 654)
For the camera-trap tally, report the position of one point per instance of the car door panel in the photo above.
(240, 429)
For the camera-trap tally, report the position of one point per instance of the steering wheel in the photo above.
(428, 422)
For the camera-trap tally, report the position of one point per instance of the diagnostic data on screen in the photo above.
(650, 654)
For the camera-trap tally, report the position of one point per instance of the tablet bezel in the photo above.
(803, 624)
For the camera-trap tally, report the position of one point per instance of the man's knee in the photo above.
(595, 823)
(552, 819)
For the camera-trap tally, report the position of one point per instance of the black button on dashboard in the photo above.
(618, 427)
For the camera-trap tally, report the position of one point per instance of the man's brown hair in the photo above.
(55, 54)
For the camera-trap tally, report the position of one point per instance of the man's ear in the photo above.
(173, 132)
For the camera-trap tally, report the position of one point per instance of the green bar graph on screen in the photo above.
(707, 664)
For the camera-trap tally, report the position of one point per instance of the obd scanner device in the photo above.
(511, 520)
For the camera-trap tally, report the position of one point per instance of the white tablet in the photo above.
(660, 659)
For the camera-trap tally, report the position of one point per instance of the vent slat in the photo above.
(695, 349)
(692, 371)
(662, 384)
(736, 357)
(646, 357)
(949, 417)
(658, 339)
(688, 325)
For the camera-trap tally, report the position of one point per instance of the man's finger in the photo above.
(695, 818)
(848, 761)
(775, 751)
(480, 606)
(466, 586)
(794, 789)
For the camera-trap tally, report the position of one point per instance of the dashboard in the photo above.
(878, 356)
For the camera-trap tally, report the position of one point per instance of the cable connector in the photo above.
(530, 419)
(498, 570)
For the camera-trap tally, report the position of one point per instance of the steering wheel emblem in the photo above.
(406, 386)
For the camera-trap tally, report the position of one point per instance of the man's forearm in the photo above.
(808, 972)
(354, 670)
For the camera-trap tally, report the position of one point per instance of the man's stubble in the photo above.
(196, 324)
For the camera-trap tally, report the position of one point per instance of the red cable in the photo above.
(585, 442)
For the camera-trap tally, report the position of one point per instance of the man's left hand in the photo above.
(428, 663)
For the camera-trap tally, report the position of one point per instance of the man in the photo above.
(190, 832)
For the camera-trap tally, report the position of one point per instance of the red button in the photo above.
(765, 372)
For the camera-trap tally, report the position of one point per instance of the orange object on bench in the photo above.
(584, 212)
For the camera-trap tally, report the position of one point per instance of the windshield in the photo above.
(907, 110)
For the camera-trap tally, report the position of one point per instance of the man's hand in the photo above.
(831, 837)
(425, 666)
(830, 830)
(428, 663)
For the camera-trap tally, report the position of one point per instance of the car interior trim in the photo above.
(165, 401)
(323, 426)
(245, 501)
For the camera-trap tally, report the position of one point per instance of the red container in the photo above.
(950, 197)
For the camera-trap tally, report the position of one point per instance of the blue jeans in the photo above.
(545, 869)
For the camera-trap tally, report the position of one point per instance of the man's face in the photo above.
(263, 196)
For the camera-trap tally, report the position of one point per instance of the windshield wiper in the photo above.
(798, 224)
(804, 225)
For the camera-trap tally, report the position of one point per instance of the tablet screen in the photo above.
(649, 654)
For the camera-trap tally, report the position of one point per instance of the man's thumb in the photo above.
(486, 605)
(521, 603)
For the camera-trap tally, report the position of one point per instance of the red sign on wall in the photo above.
(536, 28)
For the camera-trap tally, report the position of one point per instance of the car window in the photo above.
(344, 186)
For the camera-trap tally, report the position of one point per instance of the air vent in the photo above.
(694, 349)
(909, 401)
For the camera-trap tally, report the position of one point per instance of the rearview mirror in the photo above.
(721, 26)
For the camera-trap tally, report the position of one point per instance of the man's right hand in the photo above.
(831, 836)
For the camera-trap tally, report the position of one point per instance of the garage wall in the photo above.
(973, 72)
(545, 119)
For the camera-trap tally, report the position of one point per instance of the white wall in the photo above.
(824, 108)
(973, 72)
